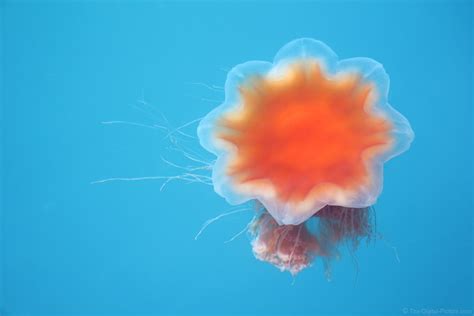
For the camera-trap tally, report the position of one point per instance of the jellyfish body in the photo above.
(300, 134)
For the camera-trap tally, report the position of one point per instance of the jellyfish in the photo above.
(305, 138)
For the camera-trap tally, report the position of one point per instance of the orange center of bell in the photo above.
(304, 130)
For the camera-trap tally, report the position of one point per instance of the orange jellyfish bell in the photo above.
(304, 132)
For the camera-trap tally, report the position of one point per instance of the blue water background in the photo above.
(70, 247)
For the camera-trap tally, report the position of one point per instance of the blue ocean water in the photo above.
(125, 247)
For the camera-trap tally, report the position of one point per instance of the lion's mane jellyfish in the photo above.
(306, 138)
